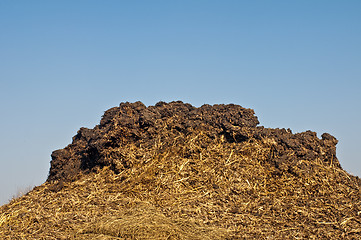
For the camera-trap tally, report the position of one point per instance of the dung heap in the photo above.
(174, 171)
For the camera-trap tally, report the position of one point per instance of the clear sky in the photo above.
(63, 63)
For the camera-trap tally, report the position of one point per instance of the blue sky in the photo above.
(63, 63)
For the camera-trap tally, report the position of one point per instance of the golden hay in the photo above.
(230, 193)
(143, 221)
(193, 186)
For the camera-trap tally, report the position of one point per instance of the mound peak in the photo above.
(175, 171)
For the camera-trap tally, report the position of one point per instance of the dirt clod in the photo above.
(134, 123)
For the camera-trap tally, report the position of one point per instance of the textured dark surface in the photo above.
(134, 122)
(174, 171)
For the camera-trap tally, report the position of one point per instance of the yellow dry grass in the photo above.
(192, 187)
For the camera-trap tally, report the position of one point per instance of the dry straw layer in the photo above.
(193, 185)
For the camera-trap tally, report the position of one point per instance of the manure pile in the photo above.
(174, 171)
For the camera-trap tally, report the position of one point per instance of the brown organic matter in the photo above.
(175, 171)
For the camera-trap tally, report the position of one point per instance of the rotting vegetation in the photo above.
(174, 171)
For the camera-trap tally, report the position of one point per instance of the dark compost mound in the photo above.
(175, 171)
(144, 126)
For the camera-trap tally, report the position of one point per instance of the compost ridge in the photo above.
(134, 123)
(174, 171)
